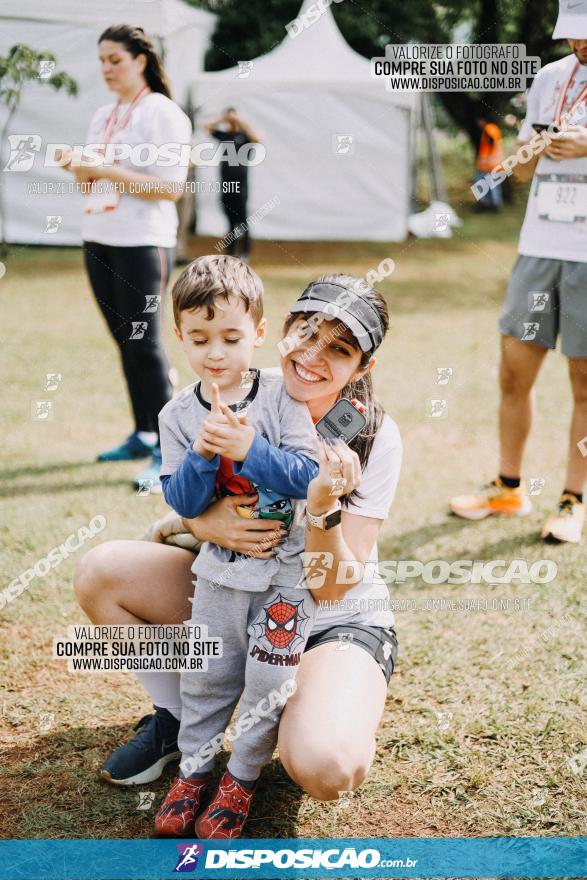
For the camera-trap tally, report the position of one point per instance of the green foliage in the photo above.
(22, 65)
(245, 32)
(369, 25)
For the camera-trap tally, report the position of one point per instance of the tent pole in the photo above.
(437, 187)
(414, 139)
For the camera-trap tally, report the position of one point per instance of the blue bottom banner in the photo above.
(455, 857)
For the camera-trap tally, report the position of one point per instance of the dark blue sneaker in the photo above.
(148, 481)
(143, 758)
(132, 448)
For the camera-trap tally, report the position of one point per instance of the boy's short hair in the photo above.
(212, 277)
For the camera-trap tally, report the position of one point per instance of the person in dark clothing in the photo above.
(234, 176)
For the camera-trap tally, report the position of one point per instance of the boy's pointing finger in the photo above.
(216, 401)
(230, 415)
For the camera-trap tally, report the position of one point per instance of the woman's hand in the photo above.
(149, 187)
(339, 474)
(83, 174)
(221, 524)
(64, 157)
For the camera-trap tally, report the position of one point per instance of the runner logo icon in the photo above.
(187, 860)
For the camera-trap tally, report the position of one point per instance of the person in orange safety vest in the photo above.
(489, 154)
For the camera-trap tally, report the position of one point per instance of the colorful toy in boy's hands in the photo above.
(269, 505)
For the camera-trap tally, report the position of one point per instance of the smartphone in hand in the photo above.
(541, 126)
(343, 421)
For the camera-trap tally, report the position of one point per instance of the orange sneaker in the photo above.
(177, 813)
(492, 498)
(566, 525)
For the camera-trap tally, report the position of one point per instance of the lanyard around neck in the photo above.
(563, 96)
(113, 124)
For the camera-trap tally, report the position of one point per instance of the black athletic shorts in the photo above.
(378, 641)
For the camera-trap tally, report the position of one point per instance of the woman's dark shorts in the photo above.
(378, 641)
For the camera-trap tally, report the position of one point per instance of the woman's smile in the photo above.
(306, 375)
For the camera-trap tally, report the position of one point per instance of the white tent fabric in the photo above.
(338, 144)
(70, 30)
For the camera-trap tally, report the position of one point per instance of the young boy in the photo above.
(253, 604)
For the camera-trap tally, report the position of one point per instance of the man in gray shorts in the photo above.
(547, 292)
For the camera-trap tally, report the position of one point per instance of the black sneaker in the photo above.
(144, 757)
(130, 449)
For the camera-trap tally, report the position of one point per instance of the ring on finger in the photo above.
(338, 486)
(335, 469)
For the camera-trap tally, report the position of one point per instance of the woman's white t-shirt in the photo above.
(368, 602)
(135, 221)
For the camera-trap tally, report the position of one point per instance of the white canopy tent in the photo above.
(339, 146)
(70, 30)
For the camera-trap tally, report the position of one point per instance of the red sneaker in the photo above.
(228, 812)
(178, 811)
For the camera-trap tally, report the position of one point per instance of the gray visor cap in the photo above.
(338, 301)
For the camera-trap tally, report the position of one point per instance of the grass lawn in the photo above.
(508, 684)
